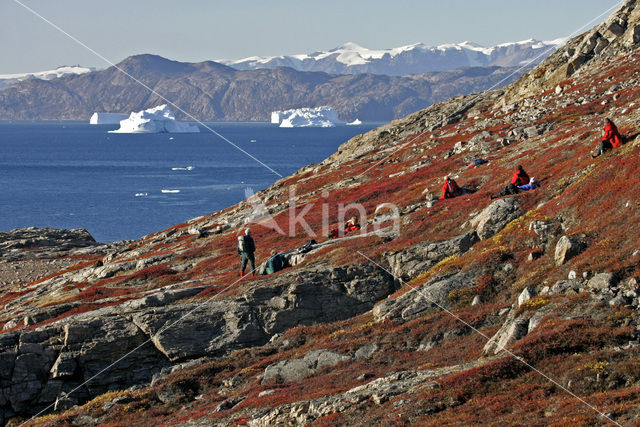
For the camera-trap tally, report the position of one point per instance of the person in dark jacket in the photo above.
(520, 177)
(611, 138)
(246, 249)
(276, 263)
(507, 191)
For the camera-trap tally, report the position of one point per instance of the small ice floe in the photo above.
(171, 138)
(142, 194)
(164, 190)
(253, 140)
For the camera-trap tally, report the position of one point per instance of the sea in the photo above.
(124, 186)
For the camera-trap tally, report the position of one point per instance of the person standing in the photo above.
(246, 249)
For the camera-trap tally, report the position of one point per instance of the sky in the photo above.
(198, 30)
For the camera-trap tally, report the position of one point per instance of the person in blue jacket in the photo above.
(532, 185)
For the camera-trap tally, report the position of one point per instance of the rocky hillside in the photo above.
(519, 310)
(211, 91)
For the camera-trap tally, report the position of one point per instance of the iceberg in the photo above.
(107, 118)
(306, 117)
(159, 119)
(356, 122)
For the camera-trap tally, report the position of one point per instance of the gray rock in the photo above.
(496, 216)
(408, 263)
(601, 281)
(64, 366)
(512, 330)
(297, 369)
(29, 373)
(366, 351)
(566, 248)
(532, 131)
(432, 295)
(526, 294)
(619, 300)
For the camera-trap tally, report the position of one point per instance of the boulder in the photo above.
(601, 281)
(526, 294)
(432, 295)
(512, 330)
(408, 263)
(366, 351)
(496, 216)
(566, 248)
(297, 369)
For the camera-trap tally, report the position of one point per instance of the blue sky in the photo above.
(196, 30)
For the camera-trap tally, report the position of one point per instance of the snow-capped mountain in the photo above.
(9, 79)
(352, 58)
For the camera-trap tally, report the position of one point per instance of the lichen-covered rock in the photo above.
(297, 369)
(432, 295)
(601, 281)
(409, 263)
(496, 216)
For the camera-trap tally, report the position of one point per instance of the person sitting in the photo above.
(450, 188)
(611, 138)
(532, 185)
(349, 226)
(519, 177)
(275, 263)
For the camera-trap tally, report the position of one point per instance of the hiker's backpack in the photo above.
(242, 245)
(306, 247)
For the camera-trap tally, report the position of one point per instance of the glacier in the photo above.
(158, 119)
(306, 117)
(417, 58)
(107, 118)
(9, 79)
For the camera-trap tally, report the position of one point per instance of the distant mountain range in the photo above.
(9, 79)
(351, 58)
(212, 91)
(371, 85)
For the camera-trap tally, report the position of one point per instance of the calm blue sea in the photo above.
(75, 175)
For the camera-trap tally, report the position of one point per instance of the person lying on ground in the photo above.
(532, 185)
(275, 263)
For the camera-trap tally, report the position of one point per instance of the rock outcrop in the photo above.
(163, 329)
(496, 216)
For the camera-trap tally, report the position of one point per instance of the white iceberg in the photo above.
(154, 120)
(356, 122)
(306, 117)
(107, 118)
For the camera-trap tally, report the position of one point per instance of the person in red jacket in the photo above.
(519, 177)
(611, 138)
(450, 188)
